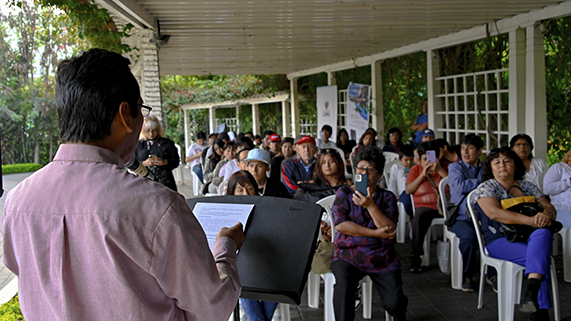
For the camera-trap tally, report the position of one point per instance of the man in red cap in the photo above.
(301, 169)
(275, 145)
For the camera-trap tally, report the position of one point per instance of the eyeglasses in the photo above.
(145, 110)
(328, 151)
(366, 170)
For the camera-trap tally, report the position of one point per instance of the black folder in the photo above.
(275, 259)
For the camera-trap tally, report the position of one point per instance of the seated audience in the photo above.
(211, 163)
(218, 175)
(276, 163)
(364, 242)
(346, 145)
(399, 173)
(275, 145)
(327, 177)
(266, 140)
(503, 178)
(557, 184)
(522, 145)
(233, 166)
(194, 152)
(258, 164)
(422, 182)
(301, 169)
(394, 139)
(464, 177)
(324, 142)
(426, 135)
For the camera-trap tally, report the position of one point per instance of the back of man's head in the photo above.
(89, 90)
(244, 141)
(406, 150)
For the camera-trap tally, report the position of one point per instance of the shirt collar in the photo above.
(87, 153)
(470, 166)
(307, 167)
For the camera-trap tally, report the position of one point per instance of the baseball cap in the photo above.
(258, 154)
(427, 132)
(306, 139)
(275, 138)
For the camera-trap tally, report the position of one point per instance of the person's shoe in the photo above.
(493, 281)
(529, 302)
(415, 264)
(468, 285)
(540, 315)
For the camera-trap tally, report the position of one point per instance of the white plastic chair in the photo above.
(196, 184)
(456, 263)
(538, 180)
(390, 156)
(178, 172)
(426, 245)
(566, 237)
(329, 280)
(509, 275)
(352, 158)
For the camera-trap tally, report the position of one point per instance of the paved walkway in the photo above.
(429, 293)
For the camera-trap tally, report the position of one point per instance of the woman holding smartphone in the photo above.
(422, 182)
(364, 242)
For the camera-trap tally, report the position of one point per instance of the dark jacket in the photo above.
(164, 148)
(275, 188)
(310, 192)
(294, 172)
(276, 167)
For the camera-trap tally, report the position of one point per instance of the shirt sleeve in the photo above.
(341, 206)
(413, 174)
(556, 181)
(393, 179)
(389, 206)
(459, 183)
(204, 284)
(287, 176)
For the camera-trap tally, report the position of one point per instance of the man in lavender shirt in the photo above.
(90, 241)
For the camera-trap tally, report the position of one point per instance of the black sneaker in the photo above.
(493, 281)
(415, 264)
(468, 285)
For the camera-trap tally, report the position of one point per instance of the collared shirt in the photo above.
(308, 168)
(369, 254)
(89, 241)
(462, 180)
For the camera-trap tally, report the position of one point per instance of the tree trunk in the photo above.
(37, 154)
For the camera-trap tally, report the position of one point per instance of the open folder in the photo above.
(275, 259)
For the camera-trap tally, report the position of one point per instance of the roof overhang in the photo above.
(299, 37)
(255, 100)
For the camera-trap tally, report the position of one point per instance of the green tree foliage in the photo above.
(558, 87)
(10, 311)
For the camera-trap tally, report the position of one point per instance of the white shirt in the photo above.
(397, 179)
(321, 144)
(537, 166)
(557, 184)
(231, 168)
(193, 150)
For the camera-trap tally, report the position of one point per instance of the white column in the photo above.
(255, 119)
(237, 118)
(294, 108)
(286, 130)
(535, 101)
(433, 88)
(377, 109)
(212, 118)
(517, 89)
(331, 80)
(186, 130)
(150, 80)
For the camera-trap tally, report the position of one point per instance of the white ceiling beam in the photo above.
(130, 11)
(499, 27)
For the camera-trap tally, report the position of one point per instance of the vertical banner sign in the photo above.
(358, 103)
(327, 109)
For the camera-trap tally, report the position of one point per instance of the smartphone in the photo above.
(361, 183)
(431, 156)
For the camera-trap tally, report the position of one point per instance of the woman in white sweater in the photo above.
(522, 145)
(557, 184)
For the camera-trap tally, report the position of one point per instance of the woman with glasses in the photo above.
(364, 242)
(157, 152)
(422, 182)
(522, 145)
(503, 179)
(328, 176)
(394, 141)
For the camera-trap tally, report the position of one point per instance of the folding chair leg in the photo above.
(313, 290)
(329, 282)
(284, 310)
(555, 291)
(367, 297)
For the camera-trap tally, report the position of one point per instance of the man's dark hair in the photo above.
(200, 135)
(508, 152)
(392, 131)
(213, 135)
(243, 150)
(406, 150)
(288, 140)
(257, 137)
(327, 128)
(249, 133)
(245, 141)
(426, 146)
(522, 136)
(241, 178)
(441, 142)
(372, 154)
(267, 133)
(224, 136)
(89, 89)
(474, 140)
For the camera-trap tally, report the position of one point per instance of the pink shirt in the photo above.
(90, 241)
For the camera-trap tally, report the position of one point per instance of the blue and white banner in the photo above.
(358, 106)
(327, 110)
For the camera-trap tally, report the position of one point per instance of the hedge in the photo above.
(20, 168)
(10, 311)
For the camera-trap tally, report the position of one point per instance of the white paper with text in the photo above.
(214, 216)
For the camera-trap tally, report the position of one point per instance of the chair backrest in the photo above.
(387, 173)
(538, 180)
(476, 222)
(390, 156)
(352, 158)
(442, 194)
(342, 153)
(327, 204)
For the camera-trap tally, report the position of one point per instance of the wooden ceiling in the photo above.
(285, 36)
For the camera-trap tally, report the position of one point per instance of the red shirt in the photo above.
(424, 196)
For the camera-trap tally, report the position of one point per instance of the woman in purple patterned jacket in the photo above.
(364, 243)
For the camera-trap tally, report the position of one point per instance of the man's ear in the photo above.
(124, 117)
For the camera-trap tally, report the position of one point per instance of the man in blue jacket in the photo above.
(301, 169)
(464, 177)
